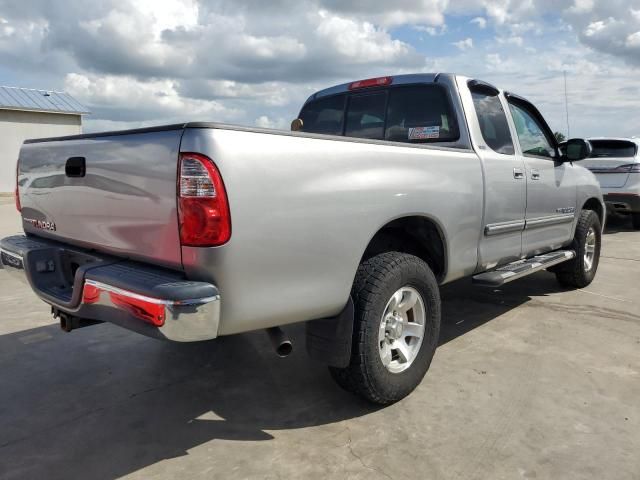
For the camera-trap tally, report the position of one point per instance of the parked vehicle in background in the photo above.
(393, 186)
(616, 164)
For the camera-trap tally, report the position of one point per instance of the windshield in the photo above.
(411, 114)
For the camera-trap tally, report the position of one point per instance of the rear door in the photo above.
(551, 187)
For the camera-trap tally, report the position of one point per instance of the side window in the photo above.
(365, 116)
(533, 140)
(493, 122)
(420, 114)
(324, 115)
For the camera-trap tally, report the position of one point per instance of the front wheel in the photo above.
(397, 323)
(635, 220)
(579, 272)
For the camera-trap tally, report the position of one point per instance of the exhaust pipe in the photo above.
(281, 343)
(69, 322)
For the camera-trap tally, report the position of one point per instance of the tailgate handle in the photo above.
(76, 167)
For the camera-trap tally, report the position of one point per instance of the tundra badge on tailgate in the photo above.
(42, 224)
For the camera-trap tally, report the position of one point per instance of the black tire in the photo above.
(635, 220)
(574, 273)
(377, 279)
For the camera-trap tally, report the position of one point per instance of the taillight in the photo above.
(371, 82)
(628, 168)
(203, 209)
(17, 192)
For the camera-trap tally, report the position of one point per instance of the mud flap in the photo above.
(329, 340)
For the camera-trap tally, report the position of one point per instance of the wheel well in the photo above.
(415, 235)
(595, 205)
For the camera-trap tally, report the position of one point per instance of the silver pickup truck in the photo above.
(389, 188)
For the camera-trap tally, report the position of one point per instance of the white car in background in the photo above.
(616, 164)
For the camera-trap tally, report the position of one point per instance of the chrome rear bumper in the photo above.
(152, 301)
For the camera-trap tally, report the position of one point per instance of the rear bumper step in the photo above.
(149, 300)
(522, 268)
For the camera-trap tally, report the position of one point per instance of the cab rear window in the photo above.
(324, 116)
(412, 114)
(613, 148)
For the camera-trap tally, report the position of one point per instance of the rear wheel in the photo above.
(579, 272)
(635, 219)
(397, 322)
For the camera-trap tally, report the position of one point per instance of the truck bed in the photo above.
(303, 208)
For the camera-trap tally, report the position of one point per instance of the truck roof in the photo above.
(397, 80)
(406, 79)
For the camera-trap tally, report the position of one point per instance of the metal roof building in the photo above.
(27, 113)
(28, 100)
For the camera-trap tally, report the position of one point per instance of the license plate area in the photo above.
(57, 274)
(72, 261)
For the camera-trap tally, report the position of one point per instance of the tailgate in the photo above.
(124, 202)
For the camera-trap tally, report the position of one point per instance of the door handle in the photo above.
(75, 167)
(535, 175)
(518, 173)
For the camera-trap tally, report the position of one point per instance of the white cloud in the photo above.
(481, 22)
(465, 44)
(265, 122)
(494, 60)
(633, 40)
(433, 31)
(514, 40)
(255, 62)
(582, 6)
(359, 42)
(140, 101)
(594, 27)
(389, 14)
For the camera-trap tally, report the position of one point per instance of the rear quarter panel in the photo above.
(304, 209)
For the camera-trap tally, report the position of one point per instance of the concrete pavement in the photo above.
(529, 382)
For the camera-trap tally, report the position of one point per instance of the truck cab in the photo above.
(532, 212)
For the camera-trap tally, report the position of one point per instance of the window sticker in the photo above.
(422, 133)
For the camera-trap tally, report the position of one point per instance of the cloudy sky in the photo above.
(252, 62)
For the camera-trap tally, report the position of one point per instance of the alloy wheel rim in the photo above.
(402, 329)
(590, 249)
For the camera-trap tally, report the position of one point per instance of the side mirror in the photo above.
(577, 149)
(296, 125)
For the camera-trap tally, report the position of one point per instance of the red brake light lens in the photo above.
(371, 82)
(203, 209)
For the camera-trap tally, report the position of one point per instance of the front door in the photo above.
(504, 176)
(551, 188)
